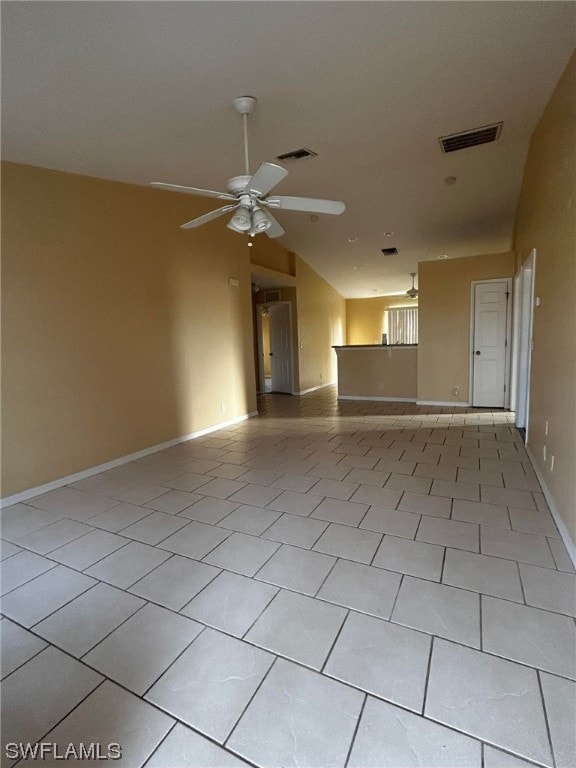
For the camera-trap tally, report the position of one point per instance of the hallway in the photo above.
(331, 583)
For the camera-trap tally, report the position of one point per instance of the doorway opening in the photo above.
(275, 348)
(490, 327)
(522, 348)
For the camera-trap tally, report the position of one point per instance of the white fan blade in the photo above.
(309, 204)
(266, 177)
(275, 230)
(207, 217)
(192, 190)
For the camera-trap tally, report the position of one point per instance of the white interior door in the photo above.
(490, 341)
(281, 347)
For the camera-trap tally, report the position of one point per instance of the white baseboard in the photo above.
(378, 399)
(560, 524)
(444, 403)
(54, 484)
(313, 389)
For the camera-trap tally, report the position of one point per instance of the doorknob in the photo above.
(477, 352)
(271, 353)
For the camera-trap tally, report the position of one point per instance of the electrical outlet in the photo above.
(456, 391)
(551, 462)
(380, 386)
(222, 407)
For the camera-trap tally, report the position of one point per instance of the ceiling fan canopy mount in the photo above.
(248, 194)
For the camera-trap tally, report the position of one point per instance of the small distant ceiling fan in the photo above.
(412, 292)
(248, 194)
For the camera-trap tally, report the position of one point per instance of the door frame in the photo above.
(507, 357)
(524, 314)
(261, 381)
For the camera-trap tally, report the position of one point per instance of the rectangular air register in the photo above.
(390, 251)
(297, 154)
(473, 138)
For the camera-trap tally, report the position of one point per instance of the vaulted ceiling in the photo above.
(142, 91)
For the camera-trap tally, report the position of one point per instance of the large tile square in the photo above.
(17, 646)
(449, 533)
(340, 511)
(185, 748)
(443, 611)
(294, 482)
(495, 700)
(20, 519)
(231, 603)
(533, 521)
(256, 495)
(392, 521)
(88, 549)
(299, 531)
(137, 653)
(333, 489)
(125, 566)
(481, 513)
(510, 630)
(20, 568)
(298, 718)
(507, 497)
(81, 624)
(36, 599)
(72, 503)
(349, 543)
(242, 554)
(53, 536)
(481, 573)
(252, 520)
(512, 545)
(389, 737)
(361, 587)
(299, 627)
(385, 659)
(296, 569)
(422, 504)
(154, 528)
(379, 497)
(35, 699)
(548, 589)
(110, 715)
(209, 510)
(413, 557)
(560, 703)
(295, 503)
(210, 684)
(119, 517)
(175, 582)
(195, 540)
(173, 502)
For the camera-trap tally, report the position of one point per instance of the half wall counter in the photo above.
(377, 372)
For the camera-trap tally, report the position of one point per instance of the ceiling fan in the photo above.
(412, 292)
(248, 195)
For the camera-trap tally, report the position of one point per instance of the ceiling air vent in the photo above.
(297, 154)
(484, 135)
(390, 251)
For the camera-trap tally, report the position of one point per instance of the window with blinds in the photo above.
(403, 325)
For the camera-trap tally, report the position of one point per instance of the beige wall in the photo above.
(444, 321)
(365, 317)
(378, 372)
(546, 221)
(321, 325)
(119, 329)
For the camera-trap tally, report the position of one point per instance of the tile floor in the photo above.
(329, 584)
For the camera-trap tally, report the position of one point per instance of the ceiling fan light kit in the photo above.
(248, 194)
